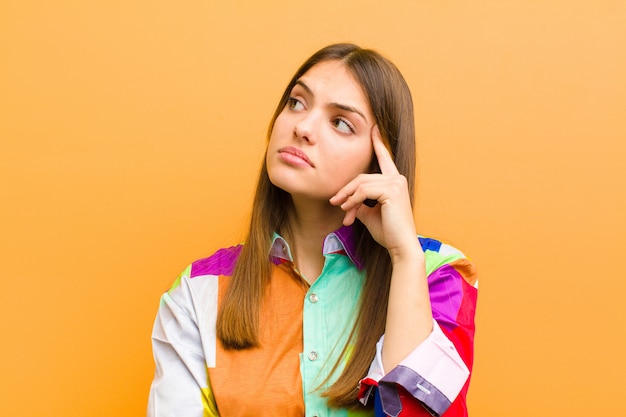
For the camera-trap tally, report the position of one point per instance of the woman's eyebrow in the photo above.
(303, 85)
(349, 108)
(337, 105)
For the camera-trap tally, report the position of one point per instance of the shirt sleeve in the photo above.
(433, 379)
(180, 384)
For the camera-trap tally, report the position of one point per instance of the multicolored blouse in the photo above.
(303, 331)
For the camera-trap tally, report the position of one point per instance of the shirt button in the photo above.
(313, 298)
(312, 355)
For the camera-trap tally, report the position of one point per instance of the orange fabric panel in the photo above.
(263, 378)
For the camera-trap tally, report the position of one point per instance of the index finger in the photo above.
(385, 161)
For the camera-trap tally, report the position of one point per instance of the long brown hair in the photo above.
(238, 318)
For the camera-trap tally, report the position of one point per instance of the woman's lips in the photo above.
(294, 156)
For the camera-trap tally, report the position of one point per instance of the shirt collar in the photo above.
(341, 239)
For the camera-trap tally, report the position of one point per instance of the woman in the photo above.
(291, 323)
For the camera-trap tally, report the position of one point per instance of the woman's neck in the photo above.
(309, 224)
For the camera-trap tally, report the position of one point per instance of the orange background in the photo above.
(131, 135)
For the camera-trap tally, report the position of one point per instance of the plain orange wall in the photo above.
(132, 131)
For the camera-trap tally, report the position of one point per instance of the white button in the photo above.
(312, 355)
(313, 298)
(423, 389)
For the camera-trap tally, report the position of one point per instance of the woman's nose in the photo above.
(305, 128)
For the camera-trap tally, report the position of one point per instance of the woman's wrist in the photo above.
(409, 253)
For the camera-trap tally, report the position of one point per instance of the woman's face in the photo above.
(322, 138)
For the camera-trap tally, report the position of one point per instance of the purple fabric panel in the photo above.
(389, 400)
(445, 285)
(221, 262)
(429, 395)
(345, 235)
(276, 260)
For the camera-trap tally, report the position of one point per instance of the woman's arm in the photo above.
(422, 365)
(433, 379)
(180, 385)
(409, 316)
(391, 224)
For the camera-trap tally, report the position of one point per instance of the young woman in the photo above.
(333, 306)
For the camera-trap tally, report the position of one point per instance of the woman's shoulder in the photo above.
(205, 270)
(222, 262)
(441, 255)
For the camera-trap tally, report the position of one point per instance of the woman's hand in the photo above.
(391, 221)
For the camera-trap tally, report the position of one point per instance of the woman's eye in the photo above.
(343, 125)
(294, 104)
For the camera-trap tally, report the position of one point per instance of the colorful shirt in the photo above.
(303, 331)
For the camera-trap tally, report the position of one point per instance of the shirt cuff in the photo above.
(432, 373)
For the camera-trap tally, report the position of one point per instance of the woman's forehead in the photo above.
(333, 81)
